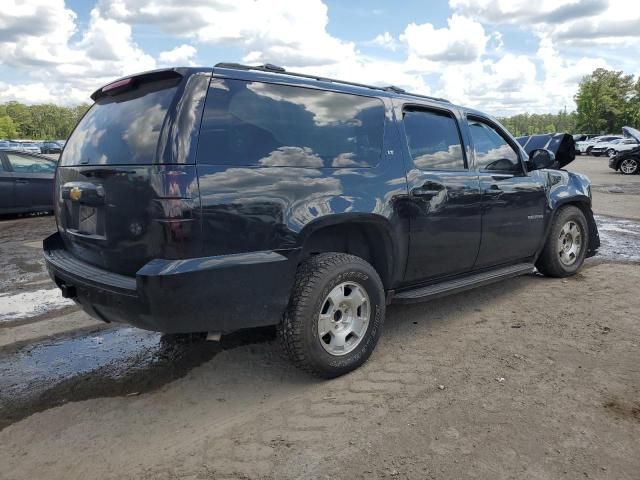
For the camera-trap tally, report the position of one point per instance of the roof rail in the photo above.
(268, 67)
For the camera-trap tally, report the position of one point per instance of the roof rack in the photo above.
(268, 67)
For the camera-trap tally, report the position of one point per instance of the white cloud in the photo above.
(527, 12)
(463, 41)
(284, 31)
(385, 40)
(583, 23)
(71, 70)
(35, 33)
(179, 56)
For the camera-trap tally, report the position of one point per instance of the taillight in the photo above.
(175, 203)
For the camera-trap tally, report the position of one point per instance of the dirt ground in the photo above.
(530, 378)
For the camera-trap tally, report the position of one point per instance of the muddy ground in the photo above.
(530, 378)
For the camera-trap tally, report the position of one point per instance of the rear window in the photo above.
(123, 129)
(433, 139)
(261, 124)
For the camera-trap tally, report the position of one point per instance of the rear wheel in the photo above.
(335, 315)
(589, 150)
(566, 246)
(629, 166)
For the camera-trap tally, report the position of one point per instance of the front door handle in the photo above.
(494, 191)
(428, 189)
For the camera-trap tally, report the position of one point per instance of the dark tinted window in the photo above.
(253, 123)
(123, 129)
(492, 150)
(434, 141)
(26, 164)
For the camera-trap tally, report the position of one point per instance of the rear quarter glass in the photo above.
(271, 125)
(122, 129)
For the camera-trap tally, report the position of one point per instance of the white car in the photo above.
(614, 147)
(587, 145)
(30, 147)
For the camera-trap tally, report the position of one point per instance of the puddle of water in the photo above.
(29, 304)
(113, 362)
(619, 239)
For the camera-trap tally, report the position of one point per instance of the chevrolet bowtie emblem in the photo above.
(75, 193)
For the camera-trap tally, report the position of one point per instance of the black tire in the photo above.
(611, 152)
(589, 150)
(632, 169)
(549, 263)
(298, 331)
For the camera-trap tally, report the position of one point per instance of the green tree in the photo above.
(38, 122)
(7, 128)
(530, 124)
(605, 101)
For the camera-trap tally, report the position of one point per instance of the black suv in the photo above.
(627, 161)
(211, 200)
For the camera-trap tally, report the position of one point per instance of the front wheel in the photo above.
(611, 152)
(629, 166)
(335, 315)
(566, 245)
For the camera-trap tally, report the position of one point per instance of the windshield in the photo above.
(123, 129)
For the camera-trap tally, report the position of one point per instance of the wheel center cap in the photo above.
(568, 242)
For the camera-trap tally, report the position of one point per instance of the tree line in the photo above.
(38, 122)
(606, 101)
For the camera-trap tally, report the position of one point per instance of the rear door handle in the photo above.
(428, 189)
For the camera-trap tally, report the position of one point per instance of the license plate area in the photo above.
(85, 220)
(88, 220)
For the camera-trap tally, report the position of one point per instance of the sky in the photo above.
(500, 56)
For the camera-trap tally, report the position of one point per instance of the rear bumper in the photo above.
(223, 293)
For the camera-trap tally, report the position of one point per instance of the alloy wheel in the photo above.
(344, 318)
(629, 166)
(569, 243)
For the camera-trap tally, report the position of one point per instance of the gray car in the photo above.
(26, 182)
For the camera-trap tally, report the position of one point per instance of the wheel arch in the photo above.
(368, 236)
(582, 202)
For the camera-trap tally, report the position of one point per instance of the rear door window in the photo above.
(262, 124)
(123, 129)
(433, 140)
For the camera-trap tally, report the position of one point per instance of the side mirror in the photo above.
(541, 158)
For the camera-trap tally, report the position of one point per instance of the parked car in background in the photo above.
(26, 182)
(628, 161)
(614, 147)
(31, 147)
(305, 202)
(50, 147)
(581, 137)
(587, 145)
(9, 145)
